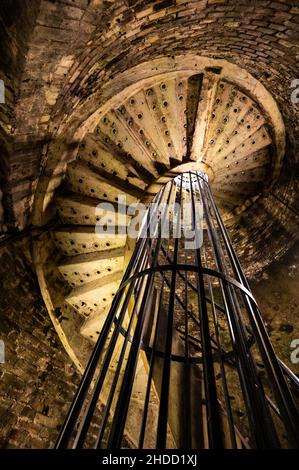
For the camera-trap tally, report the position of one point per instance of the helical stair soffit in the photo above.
(153, 121)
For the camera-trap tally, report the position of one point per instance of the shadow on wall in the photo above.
(18, 19)
(37, 380)
(278, 297)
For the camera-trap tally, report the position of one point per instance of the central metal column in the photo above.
(183, 359)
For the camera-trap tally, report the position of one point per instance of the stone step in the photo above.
(81, 179)
(110, 163)
(77, 239)
(78, 209)
(95, 297)
(87, 267)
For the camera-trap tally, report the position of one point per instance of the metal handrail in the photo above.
(152, 302)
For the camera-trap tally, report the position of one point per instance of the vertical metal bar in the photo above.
(152, 360)
(121, 411)
(76, 406)
(89, 410)
(260, 419)
(222, 367)
(164, 397)
(187, 410)
(281, 391)
(213, 415)
(73, 414)
(262, 429)
(119, 365)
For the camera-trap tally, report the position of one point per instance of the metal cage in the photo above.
(183, 359)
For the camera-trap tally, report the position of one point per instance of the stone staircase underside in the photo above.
(178, 121)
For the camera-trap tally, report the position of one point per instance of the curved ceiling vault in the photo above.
(108, 97)
(208, 115)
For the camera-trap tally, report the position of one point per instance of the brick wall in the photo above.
(79, 45)
(38, 379)
(75, 47)
(55, 56)
(17, 18)
(276, 291)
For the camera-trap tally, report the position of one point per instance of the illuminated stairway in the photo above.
(168, 124)
(184, 333)
(158, 128)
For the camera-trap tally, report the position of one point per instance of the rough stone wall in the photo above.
(17, 18)
(266, 232)
(276, 291)
(79, 45)
(37, 380)
(55, 56)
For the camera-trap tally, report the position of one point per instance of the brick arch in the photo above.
(79, 46)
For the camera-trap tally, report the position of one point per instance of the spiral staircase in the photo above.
(170, 123)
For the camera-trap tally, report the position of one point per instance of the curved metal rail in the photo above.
(183, 359)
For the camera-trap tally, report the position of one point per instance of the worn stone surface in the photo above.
(17, 19)
(37, 380)
(276, 291)
(77, 46)
(68, 50)
(58, 59)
